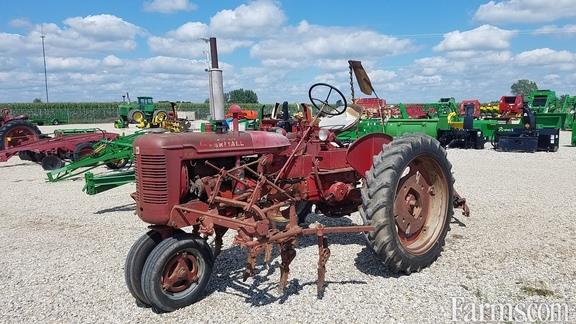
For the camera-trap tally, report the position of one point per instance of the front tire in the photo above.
(134, 264)
(177, 272)
(407, 198)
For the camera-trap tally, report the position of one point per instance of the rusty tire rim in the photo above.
(420, 204)
(18, 136)
(181, 273)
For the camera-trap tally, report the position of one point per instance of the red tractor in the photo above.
(262, 184)
(16, 130)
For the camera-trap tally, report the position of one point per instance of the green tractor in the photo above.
(142, 113)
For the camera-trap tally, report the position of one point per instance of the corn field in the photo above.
(101, 112)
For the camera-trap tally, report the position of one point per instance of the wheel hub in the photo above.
(180, 272)
(412, 203)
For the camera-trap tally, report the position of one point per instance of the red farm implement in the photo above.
(511, 105)
(473, 104)
(51, 152)
(262, 185)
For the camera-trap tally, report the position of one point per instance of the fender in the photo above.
(360, 153)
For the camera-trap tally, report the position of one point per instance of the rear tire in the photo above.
(135, 116)
(411, 223)
(21, 126)
(82, 150)
(185, 258)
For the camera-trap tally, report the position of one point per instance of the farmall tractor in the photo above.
(260, 184)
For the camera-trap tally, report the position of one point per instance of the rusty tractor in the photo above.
(16, 130)
(261, 184)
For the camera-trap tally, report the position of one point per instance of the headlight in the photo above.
(323, 134)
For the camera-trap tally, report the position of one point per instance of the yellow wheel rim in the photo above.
(160, 117)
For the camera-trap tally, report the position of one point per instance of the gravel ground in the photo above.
(63, 253)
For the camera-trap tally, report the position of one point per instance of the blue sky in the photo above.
(415, 51)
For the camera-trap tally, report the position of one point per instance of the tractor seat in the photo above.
(342, 122)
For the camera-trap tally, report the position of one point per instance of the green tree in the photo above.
(241, 96)
(523, 87)
(37, 100)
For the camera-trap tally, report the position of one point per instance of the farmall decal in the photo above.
(224, 143)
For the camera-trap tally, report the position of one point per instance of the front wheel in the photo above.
(407, 198)
(177, 272)
(134, 263)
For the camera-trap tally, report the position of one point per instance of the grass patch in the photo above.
(535, 291)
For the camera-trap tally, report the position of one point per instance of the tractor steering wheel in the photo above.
(324, 90)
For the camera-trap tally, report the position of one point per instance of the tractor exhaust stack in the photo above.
(216, 83)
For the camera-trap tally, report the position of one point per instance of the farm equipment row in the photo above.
(18, 136)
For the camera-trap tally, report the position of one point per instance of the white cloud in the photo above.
(256, 18)
(112, 61)
(190, 31)
(566, 30)
(98, 33)
(485, 37)
(169, 6)
(303, 44)
(547, 56)
(380, 76)
(171, 65)
(8, 63)
(194, 48)
(102, 27)
(525, 11)
(21, 23)
(68, 64)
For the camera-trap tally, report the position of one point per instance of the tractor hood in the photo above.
(212, 144)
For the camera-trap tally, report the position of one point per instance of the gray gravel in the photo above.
(63, 253)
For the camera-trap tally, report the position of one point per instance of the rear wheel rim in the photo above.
(18, 136)
(421, 204)
(137, 116)
(84, 152)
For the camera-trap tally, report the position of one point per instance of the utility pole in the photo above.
(44, 56)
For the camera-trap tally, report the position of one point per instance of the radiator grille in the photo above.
(153, 181)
